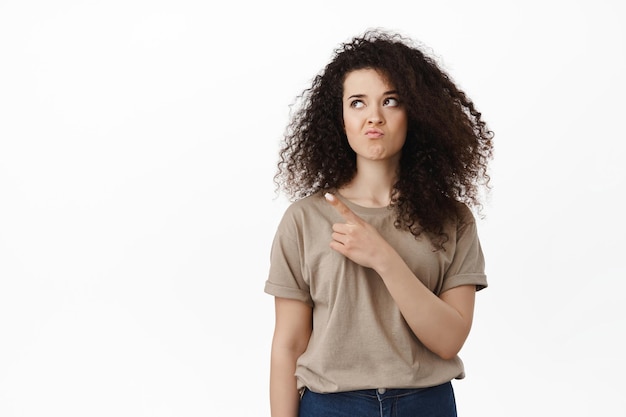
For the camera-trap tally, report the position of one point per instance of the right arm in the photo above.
(291, 337)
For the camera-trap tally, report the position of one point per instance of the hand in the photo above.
(356, 239)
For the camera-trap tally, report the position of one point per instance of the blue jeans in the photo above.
(435, 401)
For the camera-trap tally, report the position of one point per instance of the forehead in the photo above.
(366, 80)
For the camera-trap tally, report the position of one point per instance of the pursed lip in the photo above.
(374, 133)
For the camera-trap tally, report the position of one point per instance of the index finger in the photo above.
(342, 209)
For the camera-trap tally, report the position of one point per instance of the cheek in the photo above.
(350, 125)
(403, 124)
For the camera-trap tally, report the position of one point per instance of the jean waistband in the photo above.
(382, 393)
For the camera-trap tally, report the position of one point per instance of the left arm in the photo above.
(442, 323)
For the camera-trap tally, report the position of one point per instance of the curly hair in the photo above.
(447, 149)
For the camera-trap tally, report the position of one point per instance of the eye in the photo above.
(391, 102)
(357, 104)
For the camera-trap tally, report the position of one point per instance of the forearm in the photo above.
(291, 337)
(284, 396)
(440, 327)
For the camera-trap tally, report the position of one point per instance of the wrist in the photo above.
(386, 260)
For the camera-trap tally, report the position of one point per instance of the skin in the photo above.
(375, 123)
(292, 331)
(374, 119)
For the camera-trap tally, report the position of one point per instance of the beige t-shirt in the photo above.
(360, 339)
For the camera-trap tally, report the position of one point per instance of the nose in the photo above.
(375, 117)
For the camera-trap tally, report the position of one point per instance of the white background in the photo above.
(138, 140)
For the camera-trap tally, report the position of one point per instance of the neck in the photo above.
(372, 184)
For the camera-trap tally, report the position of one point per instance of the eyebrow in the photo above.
(386, 93)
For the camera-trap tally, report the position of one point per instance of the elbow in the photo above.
(447, 347)
(447, 355)
(448, 352)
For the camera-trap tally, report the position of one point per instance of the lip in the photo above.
(374, 133)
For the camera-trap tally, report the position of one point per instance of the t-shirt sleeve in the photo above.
(285, 275)
(468, 263)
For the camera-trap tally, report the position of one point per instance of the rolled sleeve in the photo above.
(285, 275)
(468, 264)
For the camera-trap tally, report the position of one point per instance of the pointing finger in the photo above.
(342, 209)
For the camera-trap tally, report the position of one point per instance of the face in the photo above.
(374, 119)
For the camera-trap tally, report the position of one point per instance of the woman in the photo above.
(375, 264)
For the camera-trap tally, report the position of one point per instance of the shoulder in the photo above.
(307, 205)
(306, 211)
(464, 215)
(311, 201)
(463, 222)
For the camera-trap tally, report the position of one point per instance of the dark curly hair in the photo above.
(447, 148)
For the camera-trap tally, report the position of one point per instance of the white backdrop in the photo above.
(138, 140)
